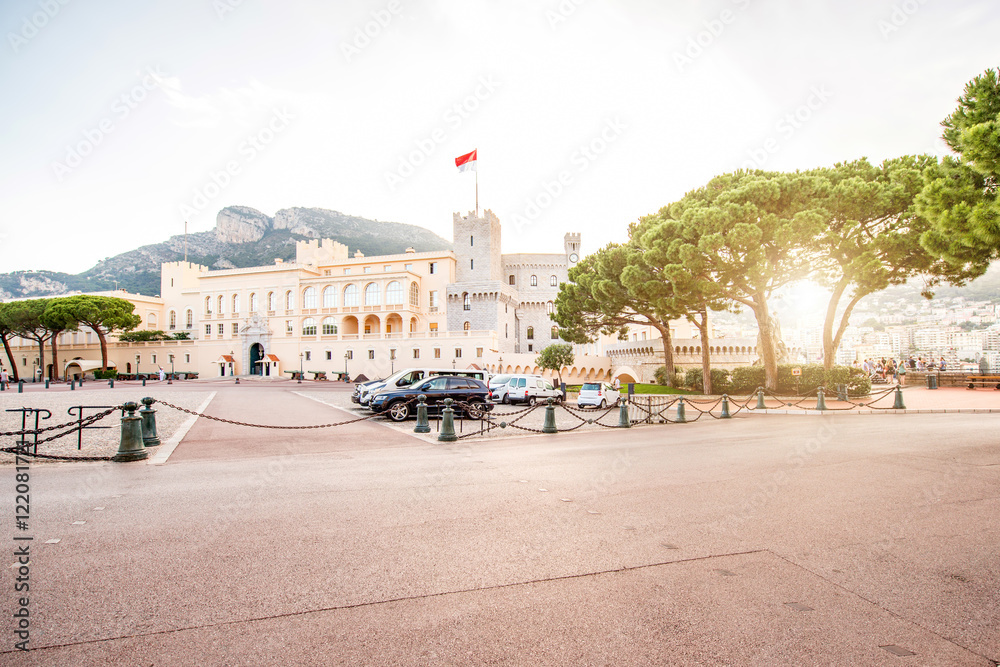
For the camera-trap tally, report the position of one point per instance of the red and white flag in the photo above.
(466, 162)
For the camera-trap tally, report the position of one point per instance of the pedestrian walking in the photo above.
(163, 376)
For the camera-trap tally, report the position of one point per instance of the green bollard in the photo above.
(447, 423)
(47, 383)
(623, 420)
(898, 403)
(143, 382)
(842, 392)
(111, 383)
(681, 419)
(549, 425)
(20, 386)
(131, 447)
(148, 414)
(423, 426)
(72, 385)
(725, 407)
(820, 399)
(760, 399)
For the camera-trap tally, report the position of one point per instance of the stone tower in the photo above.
(571, 245)
(477, 247)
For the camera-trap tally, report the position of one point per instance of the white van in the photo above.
(408, 376)
(531, 389)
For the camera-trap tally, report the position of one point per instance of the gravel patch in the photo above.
(95, 441)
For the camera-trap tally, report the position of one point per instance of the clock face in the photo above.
(573, 257)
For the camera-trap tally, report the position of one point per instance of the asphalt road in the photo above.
(762, 540)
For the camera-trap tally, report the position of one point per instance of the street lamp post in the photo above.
(137, 358)
(301, 357)
(346, 357)
(170, 380)
(34, 371)
(392, 361)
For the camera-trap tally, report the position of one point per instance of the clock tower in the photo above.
(571, 244)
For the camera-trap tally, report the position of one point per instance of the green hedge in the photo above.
(109, 374)
(720, 380)
(746, 379)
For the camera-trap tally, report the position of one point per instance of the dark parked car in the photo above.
(397, 402)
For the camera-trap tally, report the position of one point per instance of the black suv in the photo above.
(397, 402)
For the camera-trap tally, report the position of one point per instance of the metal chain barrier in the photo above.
(410, 402)
(71, 427)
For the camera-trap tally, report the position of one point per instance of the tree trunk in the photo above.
(706, 362)
(844, 320)
(41, 359)
(10, 357)
(768, 352)
(54, 375)
(668, 352)
(104, 347)
(829, 349)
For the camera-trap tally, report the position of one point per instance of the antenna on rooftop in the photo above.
(185, 241)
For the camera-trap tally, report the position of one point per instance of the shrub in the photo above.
(746, 379)
(109, 374)
(720, 380)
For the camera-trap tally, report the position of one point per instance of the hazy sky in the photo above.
(123, 119)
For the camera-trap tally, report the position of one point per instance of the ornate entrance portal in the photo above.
(256, 355)
(256, 338)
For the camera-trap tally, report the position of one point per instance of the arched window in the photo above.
(553, 281)
(189, 318)
(289, 300)
(253, 302)
(222, 305)
(466, 326)
(151, 319)
(534, 281)
(329, 296)
(309, 297)
(236, 303)
(329, 326)
(394, 294)
(531, 333)
(270, 301)
(550, 307)
(208, 305)
(414, 295)
(173, 319)
(466, 303)
(510, 279)
(555, 333)
(309, 327)
(351, 295)
(373, 295)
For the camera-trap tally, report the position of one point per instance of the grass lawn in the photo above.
(639, 389)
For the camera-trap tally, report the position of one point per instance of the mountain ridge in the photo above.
(242, 237)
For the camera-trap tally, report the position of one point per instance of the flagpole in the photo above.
(477, 190)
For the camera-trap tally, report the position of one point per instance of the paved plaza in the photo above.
(865, 539)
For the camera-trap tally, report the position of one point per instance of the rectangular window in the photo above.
(350, 354)
(368, 269)
(347, 272)
(288, 326)
(329, 355)
(308, 355)
(407, 267)
(236, 328)
(472, 241)
(222, 329)
(187, 358)
(387, 267)
(433, 326)
(479, 352)
(472, 264)
(433, 267)
(327, 272)
(371, 354)
(437, 352)
(531, 348)
(208, 329)
(458, 353)
(416, 354)
(152, 359)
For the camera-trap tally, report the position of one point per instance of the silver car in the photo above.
(597, 395)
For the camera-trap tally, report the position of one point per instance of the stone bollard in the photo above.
(143, 382)
(820, 399)
(111, 383)
(549, 425)
(725, 407)
(47, 383)
(423, 426)
(131, 448)
(148, 414)
(898, 402)
(760, 399)
(623, 420)
(20, 386)
(681, 418)
(447, 423)
(72, 385)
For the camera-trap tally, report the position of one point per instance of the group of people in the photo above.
(920, 364)
(881, 369)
